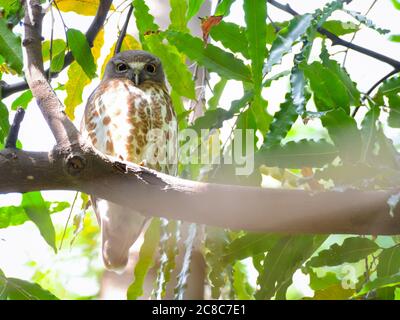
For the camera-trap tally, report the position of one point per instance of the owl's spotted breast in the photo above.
(136, 124)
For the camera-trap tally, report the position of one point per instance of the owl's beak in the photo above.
(136, 78)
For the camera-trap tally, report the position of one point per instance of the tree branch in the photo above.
(339, 41)
(96, 25)
(73, 165)
(12, 137)
(123, 31)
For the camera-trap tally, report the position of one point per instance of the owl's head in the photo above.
(135, 65)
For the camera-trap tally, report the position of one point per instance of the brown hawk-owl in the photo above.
(130, 116)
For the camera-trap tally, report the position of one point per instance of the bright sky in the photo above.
(21, 244)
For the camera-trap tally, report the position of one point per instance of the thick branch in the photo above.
(339, 41)
(91, 33)
(235, 207)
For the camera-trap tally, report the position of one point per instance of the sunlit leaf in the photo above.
(22, 101)
(177, 15)
(218, 89)
(82, 7)
(340, 28)
(351, 250)
(4, 124)
(388, 266)
(146, 259)
(364, 20)
(369, 132)
(193, 7)
(223, 7)
(243, 290)
(10, 47)
(144, 20)
(212, 57)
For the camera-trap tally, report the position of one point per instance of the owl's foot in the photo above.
(142, 163)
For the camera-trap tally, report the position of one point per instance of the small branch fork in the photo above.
(75, 165)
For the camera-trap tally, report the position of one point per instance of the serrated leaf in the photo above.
(286, 38)
(81, 51)
(176, 70)
(243, 290)
(22, 101)
(367, 22)
(78, 79)
(388, 266)
(218, 89)
(144, 20)
(193, 8)
(214, 118)
(17, 289)
(369, 132)
(37, 211)
(249, 245)
(283, 121)
(303, 153)
(82, 7)
(329, 91)
(282, 261)
(223, 8)
(177, 15)
(351, 250)
(344, 133)
(187, 258)
(340, 28)
(10, 47)
(212, 57)
(146, 259)
(232, 37)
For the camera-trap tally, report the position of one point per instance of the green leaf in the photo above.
(180, 110)
(59, 46)
(57, 63)
(369, 132)
(212, 57)
(144, 20)
(4, 124)
(380, 283)
(321, 283)
(286, 38)
(281, 263)
(17, 289)
(223, 8)
(37, 211)
(394, 111)
(193, 8)
(329, 91)
(214, 118)
(22, 101)
(249, 245)
(364, 20)
(396, 4)
(146, 259)
(389, 87)
(340, 28)
(182, 279)
(232, 37)
(176, 70)
(344, 133)
(395, 38)
(177, 15)
(243, 290)
(343, 76)
(81, 51)
(10, 47)
(283, 121)
(352, 250)
(303, 153)
(388, 266)
(218, 89)
(215, 244)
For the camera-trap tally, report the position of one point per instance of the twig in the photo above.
(91, 33)
(12, 137)
(69, 217)
(370, 90)
(339, 41)
(123, 31)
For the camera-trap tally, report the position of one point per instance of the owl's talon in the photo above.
(142, 163)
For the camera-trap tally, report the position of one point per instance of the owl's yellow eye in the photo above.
(150, 68)
(121, 67)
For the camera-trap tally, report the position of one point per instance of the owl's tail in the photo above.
(120, 228)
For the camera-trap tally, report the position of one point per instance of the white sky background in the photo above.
(24, 243)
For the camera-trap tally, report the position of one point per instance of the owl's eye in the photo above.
(150, 68)
(121, 67)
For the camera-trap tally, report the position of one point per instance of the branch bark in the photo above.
(73, 165)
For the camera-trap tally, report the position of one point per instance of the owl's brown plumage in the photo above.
(130, 116)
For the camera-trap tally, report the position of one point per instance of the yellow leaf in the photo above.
(78, 80)
(82, 7)
(129, 43)
(335, 292)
